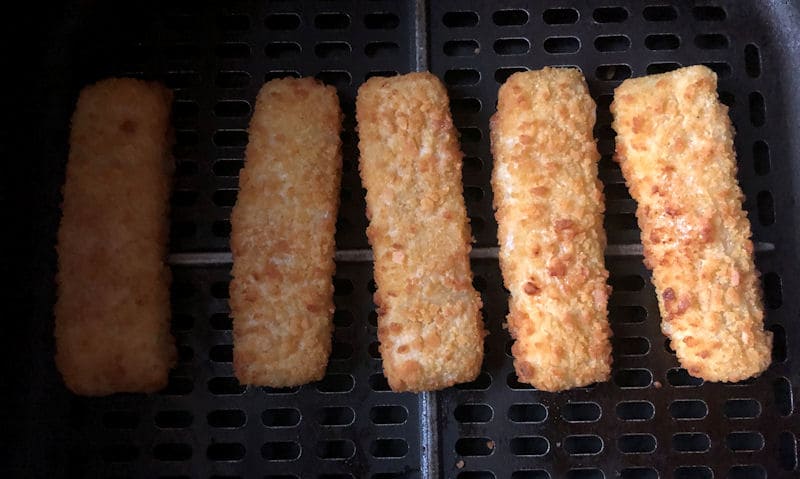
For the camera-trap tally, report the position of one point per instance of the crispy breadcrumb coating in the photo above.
(549, 209)
(429, 320)
(675, 148)
(282, 235)
(112, 315)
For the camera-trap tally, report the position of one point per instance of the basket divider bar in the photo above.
(364, 255)
(428, 401)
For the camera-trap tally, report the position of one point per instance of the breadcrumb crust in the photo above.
(112, 315)
(429, 320)
(282, 235)
(675, 148)
(549, 209)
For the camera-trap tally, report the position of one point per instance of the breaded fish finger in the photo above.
(282, 235)
(429, 320)
(112, 315)
(675, 148)
(549, 209)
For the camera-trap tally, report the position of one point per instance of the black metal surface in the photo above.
(650, 420)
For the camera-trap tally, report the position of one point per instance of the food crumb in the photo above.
(490, 444)
(657, 384)
(460, 464)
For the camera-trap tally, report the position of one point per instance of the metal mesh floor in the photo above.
(651, 420)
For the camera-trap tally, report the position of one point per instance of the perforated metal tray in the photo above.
(651, 420)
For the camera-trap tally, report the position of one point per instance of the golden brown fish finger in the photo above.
(549, 210)
(429, 321)
(112, 316)
(675, 148)
(282, 235)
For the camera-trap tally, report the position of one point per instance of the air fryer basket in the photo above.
(650, 420)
